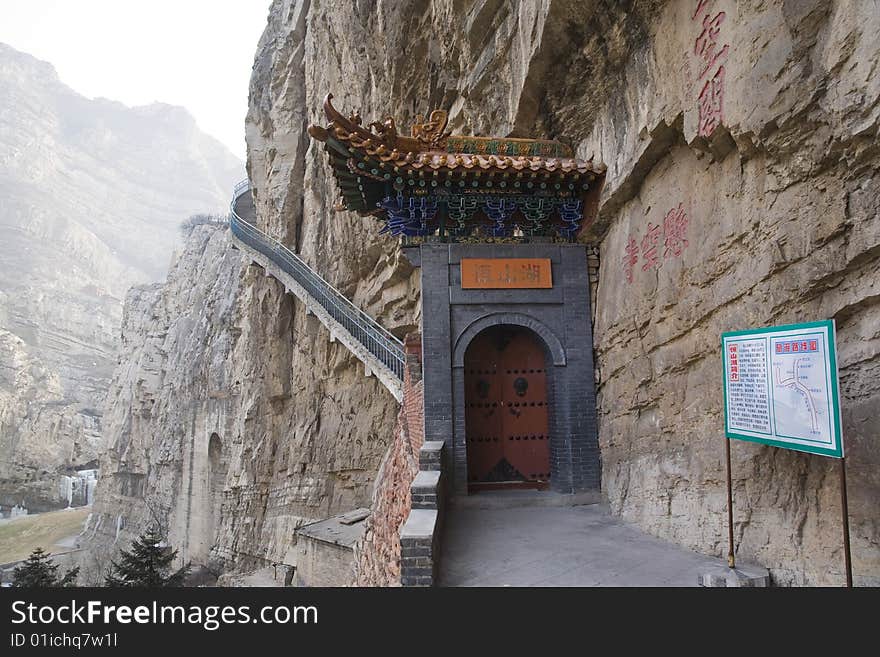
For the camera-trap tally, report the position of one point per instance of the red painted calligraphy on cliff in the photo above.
(712, 56)
(706, 45)
(675, 225)
(649, 247)
(711, 104)
(674, 233)
(630, 258)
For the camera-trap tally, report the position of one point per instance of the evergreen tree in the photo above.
(40, 571)
(148, 563)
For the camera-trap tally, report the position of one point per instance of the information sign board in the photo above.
(781, 388)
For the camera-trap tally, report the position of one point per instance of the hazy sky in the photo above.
(195, 53)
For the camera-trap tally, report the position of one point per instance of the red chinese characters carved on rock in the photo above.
(649, 247)
(706, 45)
(675, 225)
(701, 5)
(675, 241)
(631, 258)
(712, 57)
(711, 104)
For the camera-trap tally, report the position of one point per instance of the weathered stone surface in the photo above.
(325, 551)
(168, 411)
(92, 195)
(217, 426)
(378, 554)
(782, 211)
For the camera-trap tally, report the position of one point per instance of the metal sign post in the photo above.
(781, 389)
(844, 507)
(731, 561)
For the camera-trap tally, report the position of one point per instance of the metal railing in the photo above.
(384, 346)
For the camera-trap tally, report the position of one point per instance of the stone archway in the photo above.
(454, 314)
(551, 342)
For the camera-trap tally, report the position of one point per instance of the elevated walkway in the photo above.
(380, 351)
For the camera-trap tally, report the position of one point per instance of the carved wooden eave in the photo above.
(377, 169)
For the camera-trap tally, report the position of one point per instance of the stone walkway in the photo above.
(558, 546)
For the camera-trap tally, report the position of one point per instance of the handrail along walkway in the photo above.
(385, 348)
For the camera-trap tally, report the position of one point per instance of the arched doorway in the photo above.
(506, 410)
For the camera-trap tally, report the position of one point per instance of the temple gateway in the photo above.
(506, 354)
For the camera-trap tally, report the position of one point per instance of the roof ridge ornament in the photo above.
(426, 135)
(431, 131)
(387, 129)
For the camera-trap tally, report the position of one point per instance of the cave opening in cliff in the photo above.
(507, 408)
(217, 467)
(215, 452)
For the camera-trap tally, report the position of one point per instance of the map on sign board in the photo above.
(780, 387)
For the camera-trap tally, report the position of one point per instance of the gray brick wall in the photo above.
(421, 533)
(417, 563)
(561, 317)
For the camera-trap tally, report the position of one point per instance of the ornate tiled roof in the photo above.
(378, 169)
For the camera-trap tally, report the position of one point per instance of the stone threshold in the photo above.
(508, 499)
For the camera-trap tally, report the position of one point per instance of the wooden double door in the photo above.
(506, 410)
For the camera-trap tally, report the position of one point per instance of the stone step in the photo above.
(373, 366)
(417, 548)
(431, 455)
(425, 489)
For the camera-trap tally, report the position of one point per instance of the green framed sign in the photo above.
(781, 387)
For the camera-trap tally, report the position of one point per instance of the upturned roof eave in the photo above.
(349, 138)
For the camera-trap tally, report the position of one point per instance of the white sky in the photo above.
(195, 53)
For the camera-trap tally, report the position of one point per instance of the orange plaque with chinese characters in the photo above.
(505, 273)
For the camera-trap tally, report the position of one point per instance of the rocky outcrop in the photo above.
(93, 193)
(170, 397)
(747, 197)
(756, 182)
(40, 432)
(766, 192)
(218, 430)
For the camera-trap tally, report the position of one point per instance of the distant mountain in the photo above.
(91, 196)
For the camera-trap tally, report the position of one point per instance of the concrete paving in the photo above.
(558, 546)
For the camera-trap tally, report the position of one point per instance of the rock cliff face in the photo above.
(165, 461)
(300, 432)
(92, 194)
(769, 218)
(745, 131)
